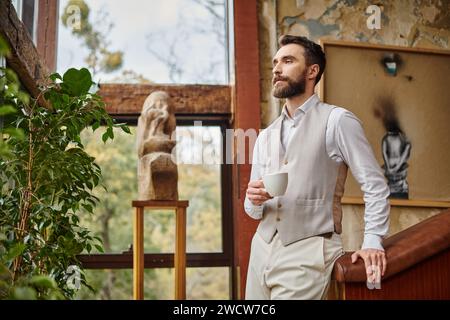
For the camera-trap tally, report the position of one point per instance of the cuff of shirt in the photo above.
(372, 241)
(254, 211)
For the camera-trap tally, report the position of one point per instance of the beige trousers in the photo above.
(301, 270)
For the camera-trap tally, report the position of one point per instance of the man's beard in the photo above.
(293, 88)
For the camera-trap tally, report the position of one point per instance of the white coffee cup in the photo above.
(276, 183)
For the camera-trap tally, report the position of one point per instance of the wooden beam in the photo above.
(187, 99)
(180, 254)
(247, 115)
(151, 260)
(24, 58)
(138, 254)
(47, 30)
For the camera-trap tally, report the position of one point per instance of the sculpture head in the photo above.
(157, 100)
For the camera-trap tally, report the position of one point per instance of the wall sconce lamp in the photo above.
(391, 63)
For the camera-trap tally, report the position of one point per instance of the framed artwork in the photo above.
(402, 97)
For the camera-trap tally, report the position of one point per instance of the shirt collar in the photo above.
(307, 105)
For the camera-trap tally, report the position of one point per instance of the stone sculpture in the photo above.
(157, 173)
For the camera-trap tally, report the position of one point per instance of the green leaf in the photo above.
(16, 133)
(77, 82)
(89, 185)
(42, 281)
(105, 136)
(47, 223)
(24, 97)
(15, 251)
(12, 90)
(87, 207)
(4, 48)
(98, 239)
(55, 76)
(95, 179)
(24, 293)
(125, 129)
(96, 125)
(75, 219)
(110, 132)
(66, 98)
(2, 80)
(99, 248)
(11, 76)
(7, 109)
(51, 173)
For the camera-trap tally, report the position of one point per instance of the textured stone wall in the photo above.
(421, 24)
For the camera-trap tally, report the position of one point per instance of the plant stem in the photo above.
(27, 196)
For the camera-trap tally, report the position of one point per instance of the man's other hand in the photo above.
(256, 192)
(375, 262)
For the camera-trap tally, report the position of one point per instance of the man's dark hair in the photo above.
(313, 52)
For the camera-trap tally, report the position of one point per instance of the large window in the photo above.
(199, 153)
(199, 180)
(27, 11)
(171, 41)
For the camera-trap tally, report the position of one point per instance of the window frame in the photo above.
(225, 258)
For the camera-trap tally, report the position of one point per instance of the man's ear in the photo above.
(313, 71)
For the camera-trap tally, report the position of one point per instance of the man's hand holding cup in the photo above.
(257, 193)
(276, 186)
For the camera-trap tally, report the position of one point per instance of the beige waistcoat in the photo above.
(312, 202)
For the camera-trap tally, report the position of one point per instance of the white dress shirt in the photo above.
(345, 141)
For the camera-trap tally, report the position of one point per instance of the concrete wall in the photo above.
(422, 24)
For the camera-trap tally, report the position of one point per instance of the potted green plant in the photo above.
(46, 178)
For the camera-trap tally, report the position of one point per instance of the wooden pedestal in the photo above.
(180, 245)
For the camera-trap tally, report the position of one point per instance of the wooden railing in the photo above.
(418, 265)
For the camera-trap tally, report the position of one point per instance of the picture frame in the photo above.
(402, 97)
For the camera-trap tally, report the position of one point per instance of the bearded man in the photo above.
(298, 238)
